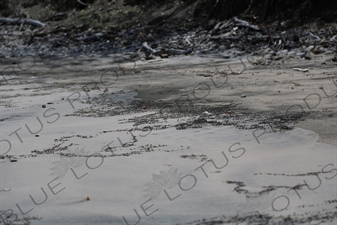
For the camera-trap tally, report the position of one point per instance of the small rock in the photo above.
(44, 106)
(164, 55)
(291, 53)
(225, 56)
(310, 48)
(37, 135)
(133, 55)
(150, 57)
(204, 75)
(13, 159)
(243, 96)
(301, 70)
(316, 51)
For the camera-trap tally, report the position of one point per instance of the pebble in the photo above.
(309, 48)
(291, 53)
(13, 159)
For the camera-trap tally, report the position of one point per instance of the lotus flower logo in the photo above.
(162, 181)
(261, 202)
(74, 158)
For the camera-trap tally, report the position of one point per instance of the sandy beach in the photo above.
(182, 140)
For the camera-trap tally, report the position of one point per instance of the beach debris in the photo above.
(243, 23)
(204, 75)
(316, 51)
(13, 159)
(6, 189)
(147, 50)
(37, 135)
(222, 38)
(206, 113)
(31, 155)
(164, 55)
(19, 21)
(301, 70)
(144, 107)
(89, 38)
(87, 199)
(314, 36)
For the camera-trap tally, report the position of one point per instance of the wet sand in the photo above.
(109, 132)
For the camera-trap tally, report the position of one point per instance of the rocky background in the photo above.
(226, 28)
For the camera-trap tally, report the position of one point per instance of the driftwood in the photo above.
(86, 4)
(93, 37)
(20, 21)
(147, 50)
(174, 51)
(243, 23)
(150, 51)
(224, 37)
